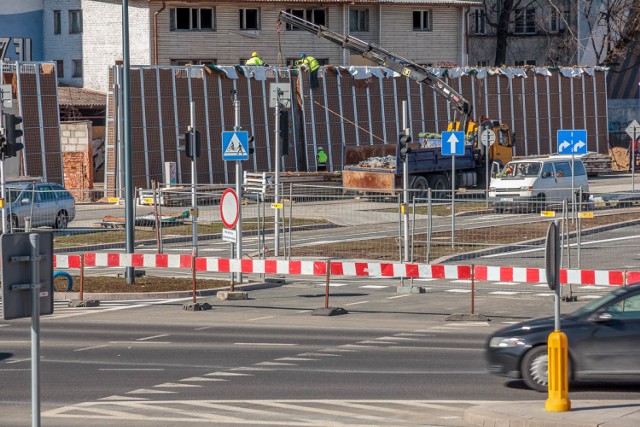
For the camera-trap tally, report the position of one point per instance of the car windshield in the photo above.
(521, 169)
(588, 309)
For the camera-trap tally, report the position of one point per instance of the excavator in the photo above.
(501, 151)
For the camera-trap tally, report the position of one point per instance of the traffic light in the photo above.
(192, 145)
(10, 146)
(403, 146)
(250, 144)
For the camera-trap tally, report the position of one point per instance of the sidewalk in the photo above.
(584, 413)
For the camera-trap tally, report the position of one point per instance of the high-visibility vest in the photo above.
(322, 157)
(254, 61)
(311, 62)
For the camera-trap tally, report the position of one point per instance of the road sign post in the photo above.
(633, 130)
(453, 145)
(487, 137)
(572, 141)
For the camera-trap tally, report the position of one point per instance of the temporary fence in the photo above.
(344, 268)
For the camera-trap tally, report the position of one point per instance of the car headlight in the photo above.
(492, 189)
(502, 342)
(526, 188)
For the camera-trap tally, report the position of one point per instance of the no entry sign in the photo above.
(229, 208)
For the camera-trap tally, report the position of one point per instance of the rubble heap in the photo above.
(386, 162)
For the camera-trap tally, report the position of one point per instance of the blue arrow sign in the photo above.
(572, 141)
(453, 143)
(235, 145)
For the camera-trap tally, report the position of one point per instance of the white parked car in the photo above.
(535, 183)
(47, 204)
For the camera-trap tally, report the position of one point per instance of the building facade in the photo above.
(21, 32)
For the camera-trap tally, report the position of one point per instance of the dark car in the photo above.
(603, 337)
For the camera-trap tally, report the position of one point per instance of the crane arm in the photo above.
(381, 56)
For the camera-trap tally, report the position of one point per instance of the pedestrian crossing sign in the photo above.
(235, 145)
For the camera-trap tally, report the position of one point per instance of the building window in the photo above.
(479, 21)
(483, 63)
(77, 68)
(554, 21)
(60, 68)
(359, 20)
(321, 61)
(422, 20)
(57, 22)
(249, 19)
(317, 16)
(525, 21)
(529, 62)
(191, 19)
(194, 61)
(75, 21)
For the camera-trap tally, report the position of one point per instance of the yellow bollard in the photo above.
(403, 208)
(558, 352)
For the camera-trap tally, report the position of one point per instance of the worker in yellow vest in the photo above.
(254, 60)
(313, 65)
(321, 158)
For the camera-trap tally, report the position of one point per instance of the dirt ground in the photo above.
(619, 159)
(110, 284)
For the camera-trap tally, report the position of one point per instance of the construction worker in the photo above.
(254, 60)
(321, 159)
(312, 63)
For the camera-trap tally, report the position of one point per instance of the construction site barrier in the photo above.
(346, 268)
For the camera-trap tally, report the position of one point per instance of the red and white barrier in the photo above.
(347, 268)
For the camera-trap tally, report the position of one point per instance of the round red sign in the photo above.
(229, 208)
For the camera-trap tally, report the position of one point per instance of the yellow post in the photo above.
(558, 353)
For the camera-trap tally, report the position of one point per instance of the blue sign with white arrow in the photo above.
(235, 145)
(453, 143)
(573, 141)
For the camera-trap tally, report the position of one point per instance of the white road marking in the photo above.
(296, 359)
(139, 342)
(203, 328)
(505, 283)
(337, 285)
(461, 281)
(152, 337)
(376, 342)
(319, 354)
(271, 344)
(92, 347)
(131, 369)
(227, 374)
(201, 379)
(460, 291)
(545, 294)
(260, 318)
(127, 398)
(357, 303)
(504, 293)
(176, 385)
(147, 391)
(399, 296)
(374, 286)
(275, 364)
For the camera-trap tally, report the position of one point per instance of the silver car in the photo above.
(47, 204)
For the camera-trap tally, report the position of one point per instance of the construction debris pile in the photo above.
(386, 162)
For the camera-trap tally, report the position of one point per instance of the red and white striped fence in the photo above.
(347, 268)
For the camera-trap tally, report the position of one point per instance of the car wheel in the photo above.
(535, 368)
(61, 220)
(538, 205)
(13, 221)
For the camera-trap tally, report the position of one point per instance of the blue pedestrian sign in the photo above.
(572, 141)
(453, 143)
(235, 145)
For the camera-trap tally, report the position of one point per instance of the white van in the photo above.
(535, 183)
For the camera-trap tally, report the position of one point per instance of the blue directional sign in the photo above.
(573, 141)
(453, 143)
(235, 145)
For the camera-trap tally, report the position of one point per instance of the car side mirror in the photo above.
(24, 201)
(602, 317)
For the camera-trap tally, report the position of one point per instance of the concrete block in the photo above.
(228, 295)
(414, 289)
(84, 303)
(331, 311)
(198, 306)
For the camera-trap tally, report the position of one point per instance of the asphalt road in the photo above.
(393, 360)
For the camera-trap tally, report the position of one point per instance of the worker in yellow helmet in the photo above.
(254, 60)
(313, 65)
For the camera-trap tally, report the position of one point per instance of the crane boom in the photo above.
(381, 56)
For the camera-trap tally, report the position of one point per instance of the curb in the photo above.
(121, 296)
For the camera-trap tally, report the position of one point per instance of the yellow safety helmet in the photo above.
(254, 54)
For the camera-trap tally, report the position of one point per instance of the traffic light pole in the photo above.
(405, 186)
(276, 213)
(236, 128)
(194, 181)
